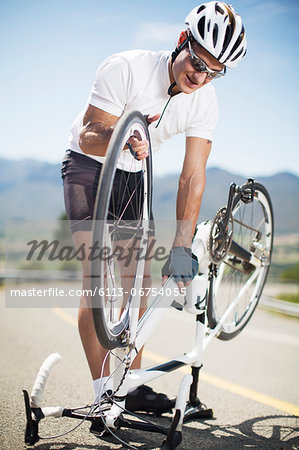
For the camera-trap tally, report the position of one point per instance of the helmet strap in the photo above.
(183, 40)
(181, 44)
(169, 92)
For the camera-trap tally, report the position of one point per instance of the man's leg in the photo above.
(94, 352)
(143, 398)
(147, 284)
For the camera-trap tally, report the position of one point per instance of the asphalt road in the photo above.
(250, 382)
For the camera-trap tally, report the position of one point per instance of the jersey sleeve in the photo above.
(111, 88)
(204, 119)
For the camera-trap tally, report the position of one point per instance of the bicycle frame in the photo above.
(133, 378)
(125, 379)
(146, 326)
(154, 315)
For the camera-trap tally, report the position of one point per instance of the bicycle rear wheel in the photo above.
(121, 231)
(239, 284)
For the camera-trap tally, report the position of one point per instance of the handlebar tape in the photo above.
(42, 376)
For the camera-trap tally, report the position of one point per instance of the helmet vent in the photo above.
(238, 54)
(201, 26)
(201, 8)
(218, 29)
(227, 38)
(237, 44)
(215, 35)
(218, 9)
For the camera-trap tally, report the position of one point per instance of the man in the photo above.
(174, 91)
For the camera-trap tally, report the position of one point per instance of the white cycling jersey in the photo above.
(139, 80)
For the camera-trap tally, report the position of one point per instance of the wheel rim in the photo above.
(122, 226)
(239, 284)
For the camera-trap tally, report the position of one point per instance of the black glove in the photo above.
(181, 263)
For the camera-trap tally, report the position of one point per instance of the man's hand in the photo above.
(150, 118)
(182, 264)
(141, 148)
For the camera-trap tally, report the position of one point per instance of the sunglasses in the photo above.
(199, 65)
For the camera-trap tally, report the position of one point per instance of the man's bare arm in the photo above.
(97, 130)
(191, 187)
(98, 127)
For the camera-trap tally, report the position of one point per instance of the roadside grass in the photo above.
(289, 297)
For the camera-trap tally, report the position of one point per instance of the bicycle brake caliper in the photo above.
(247, 191)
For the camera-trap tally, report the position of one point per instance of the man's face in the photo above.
(187, 78)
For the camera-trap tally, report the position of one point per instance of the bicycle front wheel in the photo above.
(121, 231)
(239, 284)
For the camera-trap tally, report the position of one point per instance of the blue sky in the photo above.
(50, 51)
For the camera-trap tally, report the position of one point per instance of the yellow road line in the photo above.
(234, 388)
(209, 378)
(71, 320)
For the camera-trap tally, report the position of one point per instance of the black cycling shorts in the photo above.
(81, 175)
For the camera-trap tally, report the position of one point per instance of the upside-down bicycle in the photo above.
(234, 253)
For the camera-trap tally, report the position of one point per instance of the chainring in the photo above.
(220, 239)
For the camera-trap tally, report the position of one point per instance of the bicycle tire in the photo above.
(111, 308)
(253, 230)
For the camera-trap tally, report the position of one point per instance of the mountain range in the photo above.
(31, 189)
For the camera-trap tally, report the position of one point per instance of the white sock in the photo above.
(102, 384)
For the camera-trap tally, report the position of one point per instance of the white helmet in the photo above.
(217, 27)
